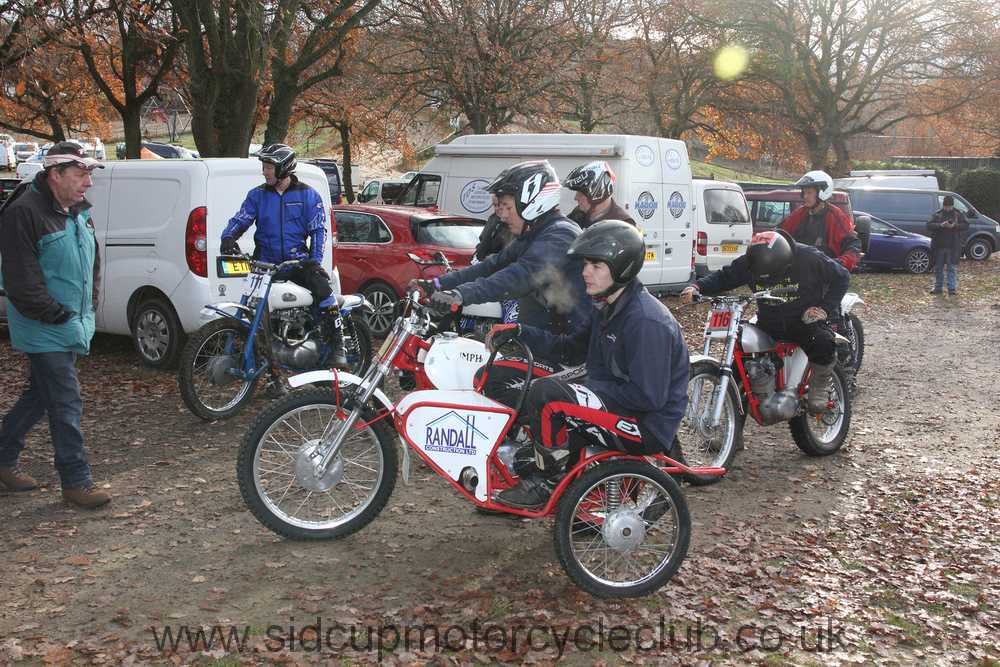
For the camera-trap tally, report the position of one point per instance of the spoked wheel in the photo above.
(206, 375)
(822, 435)
(622, 529)
(703, 444)
(855, 333)
(281, 486)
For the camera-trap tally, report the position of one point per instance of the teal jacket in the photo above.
(50, 270)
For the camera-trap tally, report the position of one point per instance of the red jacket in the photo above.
(842, 243)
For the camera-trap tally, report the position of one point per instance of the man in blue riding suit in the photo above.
(290, 224)
(635, 392)
(534, 268)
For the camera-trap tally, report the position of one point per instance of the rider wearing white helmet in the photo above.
(819, 224)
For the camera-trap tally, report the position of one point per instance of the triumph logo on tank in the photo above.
(453, 433)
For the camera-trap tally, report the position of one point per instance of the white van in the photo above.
(917, 179)
(159, 225)
(722, 224)
(653, 184)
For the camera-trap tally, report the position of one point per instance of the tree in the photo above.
(128, 46)
(24, 27)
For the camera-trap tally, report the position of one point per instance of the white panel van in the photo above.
(722, 224)
(653, 183)
(158, 225)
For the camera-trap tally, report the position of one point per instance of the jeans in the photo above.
(53, 389)
(950, 258)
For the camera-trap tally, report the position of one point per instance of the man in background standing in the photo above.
(947, 230)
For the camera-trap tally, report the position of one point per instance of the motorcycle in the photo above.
(471, 319)
(275, 325)
(759, 376)
(321, 464)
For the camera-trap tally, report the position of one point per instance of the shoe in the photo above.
(338, 359)
(820, 386)
(16, 481)
(86, 497)
(953, 292)
(530, 493)
(937, 290)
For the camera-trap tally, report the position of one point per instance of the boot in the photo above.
(86, 497)
(530, 493)
(333, 330)
(14, 480)
(820, 388)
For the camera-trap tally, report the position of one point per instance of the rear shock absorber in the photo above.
(614, 494)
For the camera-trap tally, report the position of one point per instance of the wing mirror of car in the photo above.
(439, 257)
(971, 214)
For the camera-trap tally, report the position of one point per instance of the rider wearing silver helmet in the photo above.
(594, 184)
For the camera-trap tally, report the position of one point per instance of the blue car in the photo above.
(892, 248)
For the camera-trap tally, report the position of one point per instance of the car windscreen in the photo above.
(463, 234)
(726, 207)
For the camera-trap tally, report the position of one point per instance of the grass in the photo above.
(720, 172)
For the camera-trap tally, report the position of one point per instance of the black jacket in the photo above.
(535, 270)
(819, 280)
(637, 360)
(949, 239)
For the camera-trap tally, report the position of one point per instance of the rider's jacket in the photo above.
(637, 360)
(831, 230)
(535, 270)
(284, 222)
(818, 280)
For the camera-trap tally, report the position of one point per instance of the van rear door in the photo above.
(678, 219)
(727, 224)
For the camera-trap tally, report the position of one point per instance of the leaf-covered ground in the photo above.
(886, 553)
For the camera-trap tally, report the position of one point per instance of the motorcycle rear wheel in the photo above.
(822, 435)
(204, 397)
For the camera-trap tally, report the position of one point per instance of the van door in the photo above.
(640, 184)
(99, 196)
(727, 225)
(677, 217)
(910, 210)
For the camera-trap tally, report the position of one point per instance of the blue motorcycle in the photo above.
(275, 326)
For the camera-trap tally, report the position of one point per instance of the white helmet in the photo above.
(819, 180)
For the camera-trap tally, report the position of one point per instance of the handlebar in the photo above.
(776, 294)
(258, 266)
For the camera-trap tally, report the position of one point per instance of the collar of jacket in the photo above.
(41, 184)
(543, 222)
(627, 295)
(294, 180)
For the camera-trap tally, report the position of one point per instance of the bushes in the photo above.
(943, 175)
(982, 188)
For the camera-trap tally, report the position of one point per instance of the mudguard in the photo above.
(311, 377)
(695, 358)
(231, 309)
(850, 301)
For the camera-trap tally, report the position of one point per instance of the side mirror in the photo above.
(417, 259)
(972, 214)
(439, 256)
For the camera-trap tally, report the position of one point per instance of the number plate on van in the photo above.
(233, 268)
(730, 247)
(650, 255)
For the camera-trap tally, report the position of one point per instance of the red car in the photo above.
(373, 244)
(769, 207)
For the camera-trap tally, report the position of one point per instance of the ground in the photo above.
(885, 553)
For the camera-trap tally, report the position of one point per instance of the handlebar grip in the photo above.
(454, 308)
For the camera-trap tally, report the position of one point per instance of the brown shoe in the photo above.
(16, 481)
(87, 497)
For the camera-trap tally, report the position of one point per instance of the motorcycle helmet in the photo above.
(819, 180)
(534, 186)
(770, 256)
(281, 156)
(596, 180)
(617, 244)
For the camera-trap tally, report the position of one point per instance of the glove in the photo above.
(230, 246)
(426, 287)
(501, 334)
(63, 317)
(813, 315)
(446, 301)
(689, 294)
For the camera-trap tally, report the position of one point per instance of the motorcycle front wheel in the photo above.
(822, 435)
(704, 445)
(205, 379)
(282, 489)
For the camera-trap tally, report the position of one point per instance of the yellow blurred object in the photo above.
(731, 61)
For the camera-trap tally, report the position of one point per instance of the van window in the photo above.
(450, 233)
(895, 204)
(726, 207)
(390, 191)
(771, 213)
(960, 204)
(355, 227)
(423, 190)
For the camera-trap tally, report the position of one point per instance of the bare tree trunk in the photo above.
(280, 111)
(344, 129)
(843, 165)
(132, 123)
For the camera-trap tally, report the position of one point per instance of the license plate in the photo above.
(255, 285)
(233, 268)
(730, 247)
(718, 320)
(650, 255)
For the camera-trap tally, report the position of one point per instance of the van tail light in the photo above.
(196, 242)
(702, 243)
(333, 238)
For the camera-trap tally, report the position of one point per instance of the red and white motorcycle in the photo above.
(321, 464)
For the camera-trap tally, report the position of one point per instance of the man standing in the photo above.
(947, 230)
(51, 274)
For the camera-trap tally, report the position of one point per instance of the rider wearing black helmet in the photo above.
(290, 224)
(594, 184)
(776, 260)
(635, 392)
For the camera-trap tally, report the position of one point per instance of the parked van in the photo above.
(918, 179)
(912, 209)
(381, 191)
(722, 224)
(653, 183)
(158, 225)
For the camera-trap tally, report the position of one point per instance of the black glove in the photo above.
(63, 317)
(426, 287)
(446, 301)
(230, 246)
(501, 334)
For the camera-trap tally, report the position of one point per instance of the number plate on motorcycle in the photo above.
(730, 247)
(718, 320)
(232, 268)
(255, 285)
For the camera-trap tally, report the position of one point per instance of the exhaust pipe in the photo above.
(469, 479)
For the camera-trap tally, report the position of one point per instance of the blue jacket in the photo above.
(50, 268)
(284, 222)
(637, 360)
(535, 270)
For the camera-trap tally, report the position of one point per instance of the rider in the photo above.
(635, 392)
(288, 214)
(822, 225)
(534, 268)
(594, 184)
(774, 259)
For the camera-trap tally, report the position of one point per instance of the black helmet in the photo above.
(596, 180)
(533, 185)
(617, 244)
(770, 255)
(281, 156)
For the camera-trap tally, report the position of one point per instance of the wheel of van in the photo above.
(157, 333)
(979, 249)
(383, 300)
(918, 260)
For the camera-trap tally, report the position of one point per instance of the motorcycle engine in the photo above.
(762, 373)
(295, 339)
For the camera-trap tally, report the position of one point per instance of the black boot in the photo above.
(333, 330)
(531, 492)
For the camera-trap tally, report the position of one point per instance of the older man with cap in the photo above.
(51, 274)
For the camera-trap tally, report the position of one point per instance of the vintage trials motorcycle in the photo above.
(322, 463)
(759, 376)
